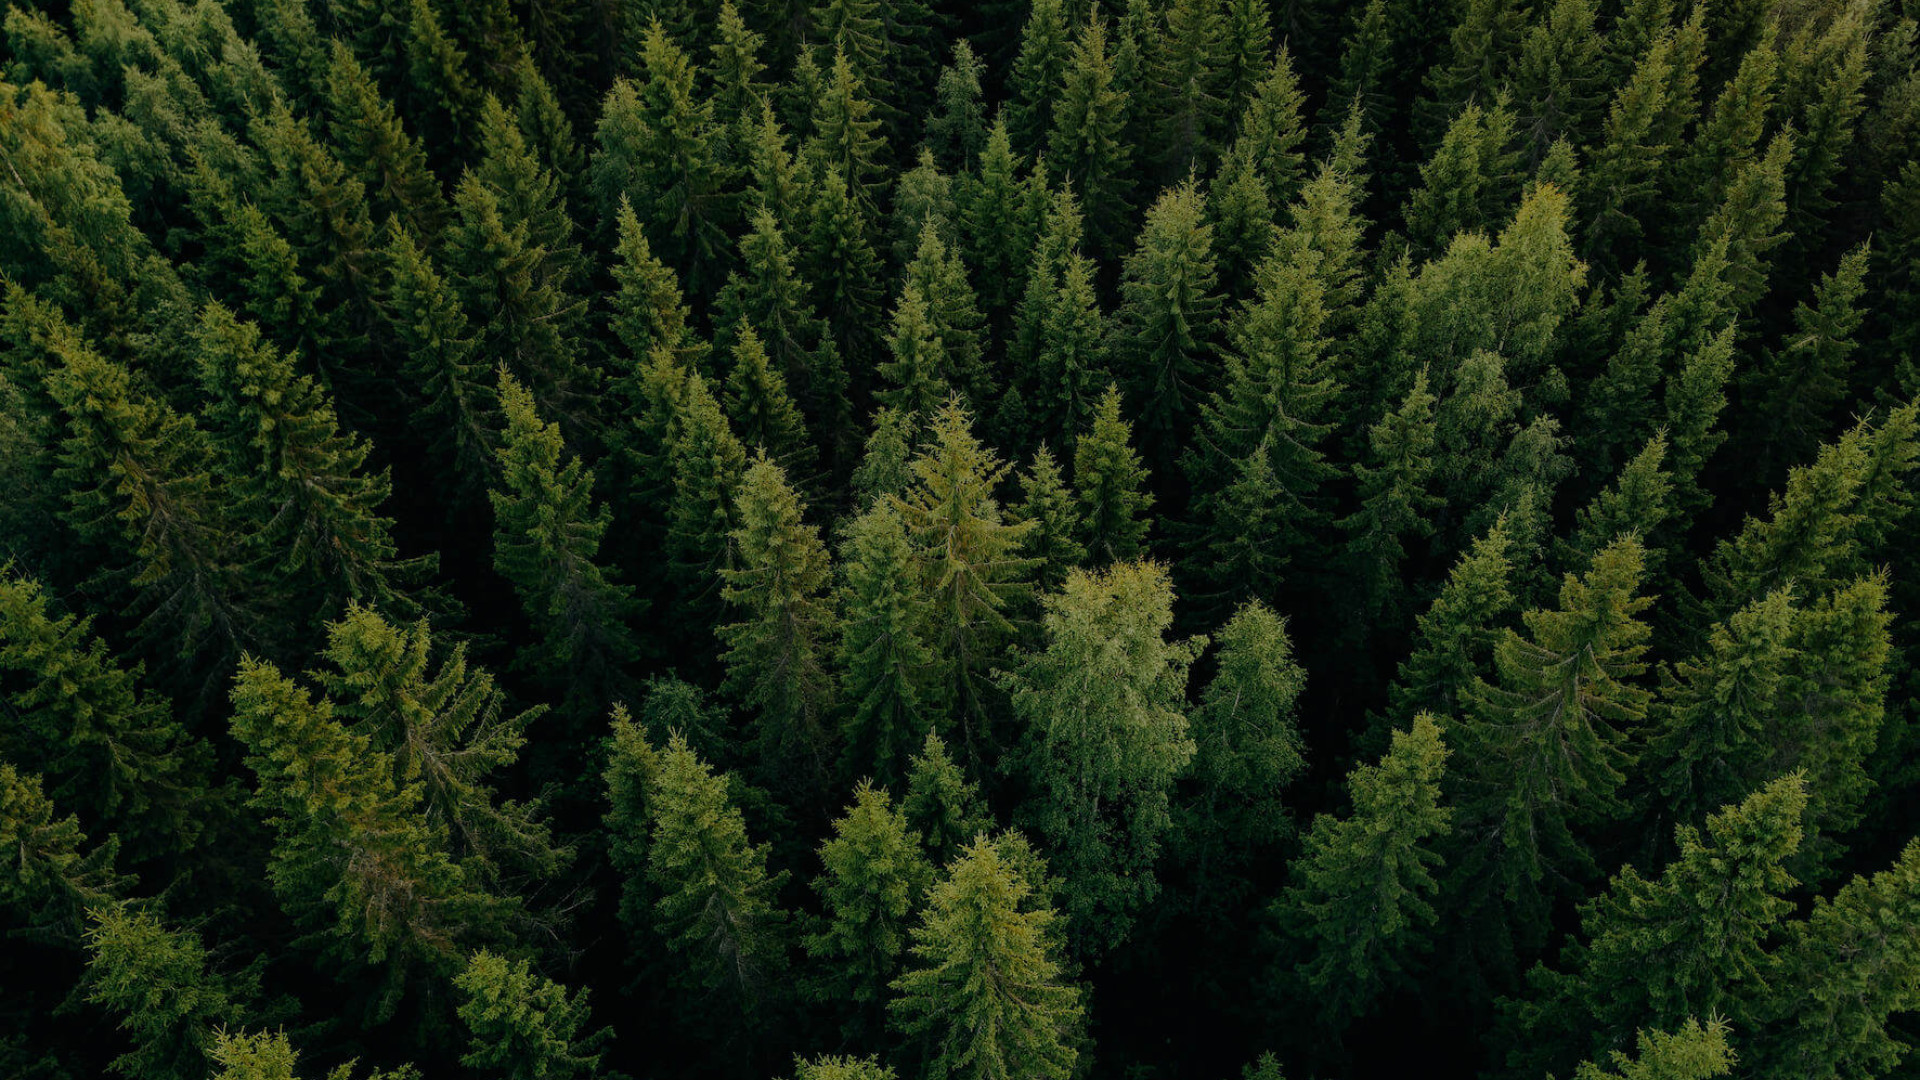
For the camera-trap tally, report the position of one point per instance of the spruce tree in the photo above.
(762, 414)
(1110, 481)
(1271, 132)
(715, 904)
(706, 464)
(546, 542)
(1395, 502)
(984, 996)
(874, 878)
(1165, 327)
(1247, 749)
(884, 661)
(523, 1026)
(1086, 144)
(769, 294)
(1037, 74)
(970, 563)
(373, 144)
(1187, 77)
(167, 993)
(776, 654)
(1794, 391)
(957, 128)
(840, 262)
(442, 364)
(917, 370)
(1653, 952)
(845, 140)
(1105, 736)
(355, 863)
(953, 312)
(1692, 1052)
(941, 804)
(1073, 353)
(298, 475)
(1352, 951)
(446, 730)
(52, 879)
(648, 311)
(1048, 503)
(81, 720)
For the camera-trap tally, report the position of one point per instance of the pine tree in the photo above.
(446, 730)
(160, 982)
(953, 312)
(715, 902)
(845, 140)
(354, 863)
(735, 68)
(1109, 481)
(633, 767)
(1636, 502)
(1351, 951)
(1105, 737)
(1074, 345)
(776, 654)
(1187, 76)
(969, 559)
(1086, 144)
(1166, 329)
(875, 877)
(546, 541)
(300, 477)
(883, 658)
(523, 1026)
(1467, 182)
(941, 804)
(648, 310)
(842, 1068)
(442, 364)
(1654, 952)
(996, 243)
(82, 722)
(1247, 749)
(984, 995)
(840, 262)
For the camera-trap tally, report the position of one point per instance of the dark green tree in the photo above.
(169, 997)
(884, 661)
(1110, 483)
(522, 1025)
(874, 878)
(1165, 330)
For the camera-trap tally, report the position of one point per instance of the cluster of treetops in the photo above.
(1030, 539)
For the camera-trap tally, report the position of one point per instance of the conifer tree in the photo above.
(160, 982)
(1073, 347)
(984, 995)
(1351, 951)
(776, 654)
(1049, 504)
(957, 128)
(922, 199)
(875, 877)
(953, 311)
(657, 148)
(138, 478)
(1241, 211)
(82, 722)
(354, 862)
(648, 310)
(1795, 390)
(883, 658)
(1636, 502)
(377, 149)
(633, 766)
(842, 1068)
(1109, 481)
(840, 262)
(1653, 952)
(716, 905)
(1693, 1052)
(1394, 499)
(1034, 85)
(762, 414)
(1086, 144)
(1166, 330)
(1543, 749)
(707, 464)
(769, 294)
(735, 67)
(1466, 184)
(301, 478)
(1105, 737)
(1187, 75)
(546, 541)
(446, 730)
(996, 243)
(523, 1026)
(510, 288)
(845, 140)
(1842, 975)
(941, 804)
(442, 364)
(970, 562)
(917, 370)
(1247, 749)
(51, 881)
(1271, 132)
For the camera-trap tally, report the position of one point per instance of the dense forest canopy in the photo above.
(896, 539)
